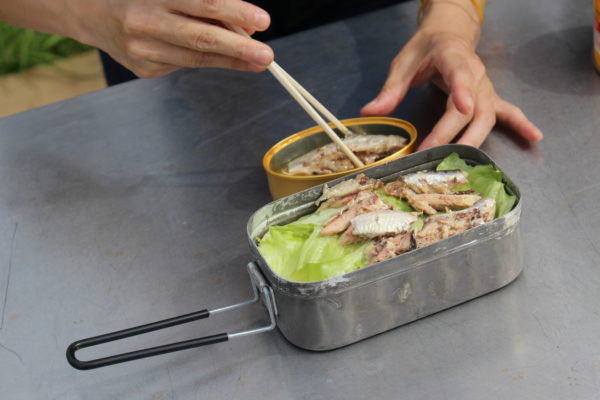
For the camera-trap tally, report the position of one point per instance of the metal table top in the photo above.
(129, 205)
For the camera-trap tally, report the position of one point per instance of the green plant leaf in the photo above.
(483, 179)
(23, 48)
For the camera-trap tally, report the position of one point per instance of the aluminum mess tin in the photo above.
(339, 311)
(328, 314)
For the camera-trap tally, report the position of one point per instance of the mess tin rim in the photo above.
(400, 123)
(368, 274)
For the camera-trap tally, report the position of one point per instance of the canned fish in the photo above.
(597, 35)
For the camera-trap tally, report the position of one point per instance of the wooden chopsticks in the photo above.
(308, 103)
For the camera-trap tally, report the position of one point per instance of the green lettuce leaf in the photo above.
(453, 161)
(483, 179)
(298, 253)
(487, 181)
(318, 218)
(398, 204)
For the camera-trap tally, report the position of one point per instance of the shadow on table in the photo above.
(566, 54)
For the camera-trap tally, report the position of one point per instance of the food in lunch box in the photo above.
(345, 191)
(442, 226)
(329, 158)
(364, 201)
(362, 221)
(438, 182)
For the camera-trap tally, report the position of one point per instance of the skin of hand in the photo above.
(443, 51)
(154, 37)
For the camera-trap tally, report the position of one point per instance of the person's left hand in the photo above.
(449, 60)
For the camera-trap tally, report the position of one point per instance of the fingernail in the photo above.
(469, 105)
(261, 19)
(428, 142)
(373, 102)
(263, 57)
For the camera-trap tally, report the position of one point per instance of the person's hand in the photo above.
(444, 53)
(155, 37)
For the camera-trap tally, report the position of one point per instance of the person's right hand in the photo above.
(155, 37)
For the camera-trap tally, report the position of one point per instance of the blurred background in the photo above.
(38, 69)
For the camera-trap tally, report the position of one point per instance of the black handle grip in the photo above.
(138, 330)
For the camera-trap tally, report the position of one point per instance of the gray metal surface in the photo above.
(129, 205)
(335, 312)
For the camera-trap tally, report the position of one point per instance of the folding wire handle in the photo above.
(258, 286)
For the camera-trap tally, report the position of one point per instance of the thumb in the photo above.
(400, 76)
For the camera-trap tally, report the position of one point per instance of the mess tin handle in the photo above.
(259, 286)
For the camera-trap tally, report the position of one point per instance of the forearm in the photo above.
(50, 16)
(459, 18)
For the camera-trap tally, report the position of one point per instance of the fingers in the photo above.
(148, 69)
(515, 119)
(449, 125)
(155, 58)
(483, 121)
(451, 63)
(208, 38)
(386, 101)
(184, 33)
(401, 74)
(462, 97)
(492, 108)
(489, 108)
(470, 102)
(236, 12)
(458, 75)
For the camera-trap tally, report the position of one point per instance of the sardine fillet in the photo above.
(384, 222)
(389, 247)
(426, 182)
(429, 203)
(364, 202)
(329, 158)
(377, 223)
(343, 189)
(442, 226)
